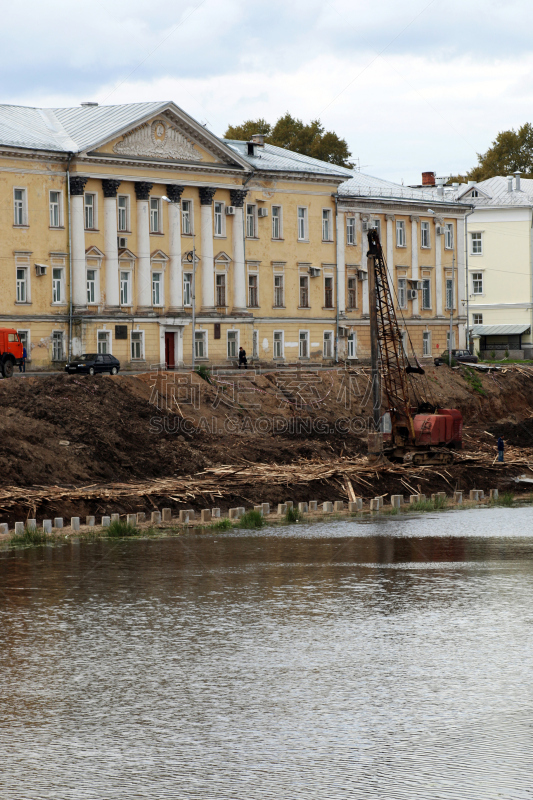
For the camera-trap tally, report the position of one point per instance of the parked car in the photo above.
(91, 363)
(462, 356)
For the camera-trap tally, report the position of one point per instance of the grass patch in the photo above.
(223, 524)
(506, 499)
(422, 505)
(292, 515)
(390, 512)
(204, 373)
(439, 503)
(118, 530)
(30, 536)
(473, 380)
(252, 519)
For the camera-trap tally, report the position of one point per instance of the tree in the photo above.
(511, 151)
(293, 134)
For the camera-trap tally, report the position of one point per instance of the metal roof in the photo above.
(360, 185)
(493, 192)
(271, 158)
(498, 330)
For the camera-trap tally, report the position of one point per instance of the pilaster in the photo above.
(206, 234)
(174, 234)
(143, 277)
(112, 292)
(77, 223)
(238, 197)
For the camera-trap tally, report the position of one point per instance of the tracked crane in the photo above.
(420, 431)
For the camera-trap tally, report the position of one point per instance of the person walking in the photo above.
(242, 358)
(500, 448)
(22, 363)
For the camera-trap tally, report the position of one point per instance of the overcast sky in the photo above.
(412, 86)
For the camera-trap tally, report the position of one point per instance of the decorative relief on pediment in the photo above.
(157, 139)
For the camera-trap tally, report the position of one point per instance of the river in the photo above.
(387, 658)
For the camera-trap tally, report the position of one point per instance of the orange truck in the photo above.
(10, 351)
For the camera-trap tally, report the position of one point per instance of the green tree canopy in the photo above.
(510, 151)
(293, 134)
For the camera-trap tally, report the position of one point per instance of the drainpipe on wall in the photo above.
(336, 281)
(70, 157)
(467, 328)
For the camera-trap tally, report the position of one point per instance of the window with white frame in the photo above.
(55, 209)
(22, 284)
(477, 283)
(251, 216)
(352, 292)
(125, 288)
(476, 244)
(123, 209)
(90, 211)
(402, 293)
(187, 288)
(137, 345)
(304, 291)
(401, 240)
(58, 349)
(302, 225)
(448, 236)
(218, 218)
(352, 345)
(200, 344)
(350, 230)
(155, 215)
(277, 229)
(376, 224)
(426, 293)
(449, 293)
(279, 301)
(58, 291)
(477, 319)
(104, 342)
(91, 286)
(424, 235)
(328, 344)
(157, 288)
(233, 344)
(328, 292)
(186, 217)
(253, 290)
(327, 228)
(20, 207)
(220, 287)
(303, 341)
(426, 343)
(278, 344)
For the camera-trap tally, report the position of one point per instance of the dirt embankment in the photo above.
(65, 431)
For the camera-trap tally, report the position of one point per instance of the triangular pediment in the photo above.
(158, 139)
(222, 257)
(158, 255)
(94, 252)
(126, 254)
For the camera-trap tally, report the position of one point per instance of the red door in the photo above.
(169, 350)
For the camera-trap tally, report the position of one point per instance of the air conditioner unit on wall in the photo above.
(415, 284)
(362, 274)
(40, 269)
(230, 211)
(314, 272)
(262, 212)
(412, 294)
(343, 332)
(439, 230)
(122, 242)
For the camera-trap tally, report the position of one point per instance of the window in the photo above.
(276, 222)
(219, 218)
(57, 346)
(90, 212)
(155, 215)
(123, 206)
(57, 285)
(186, 217)
(424, 235)
(20, 207)
(327, 231)
(103, 342)
(448, 236)
(402, 293)
(302, 225)
(304, 291)
(55, 209)
(125, 288)
(24, 337)
(278, 344)
(426, 293)
(477, 319)
(352, 292)
(474, 193)
(157, 288)
(426, 343)
(376, 224)
(476, 248)
(304, 344)
(278, 291)
(200, 344)
(449, 293)
(233, 344)
(220, 283)
(328, 292)
(187, 288)
(352, 345)
(477, 283)
(137, 345)
(253, 294)
(22, 285)
(91, 286)
(350, 230)
(400, 233)
(250, 220)
(328, 344)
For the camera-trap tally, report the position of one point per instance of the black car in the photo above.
(91, 363)
(461, 356)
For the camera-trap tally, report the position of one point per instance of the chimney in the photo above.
(440, 186)
(89, 104)
(258, 139)
(428, 179)
(471, 183)
(517, 181)
(509, 183)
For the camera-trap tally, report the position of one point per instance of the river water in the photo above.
(391, 658)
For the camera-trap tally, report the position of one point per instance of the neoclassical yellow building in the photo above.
(133, 230)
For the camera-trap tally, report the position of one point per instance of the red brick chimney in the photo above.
(428, 179)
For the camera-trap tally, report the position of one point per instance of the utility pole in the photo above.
(374, 346)
(451, 316)
(191, 256)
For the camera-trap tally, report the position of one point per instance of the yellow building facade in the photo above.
(135, 231)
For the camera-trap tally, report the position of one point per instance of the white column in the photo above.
(143, 277)
(460, 278)
(239, 266)
(341, 262)
(390, 251)
(206, 235)
(112, 297)
(77, 228)
(364, 250)
(438, 269)
(174, 245)
(414, 261)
